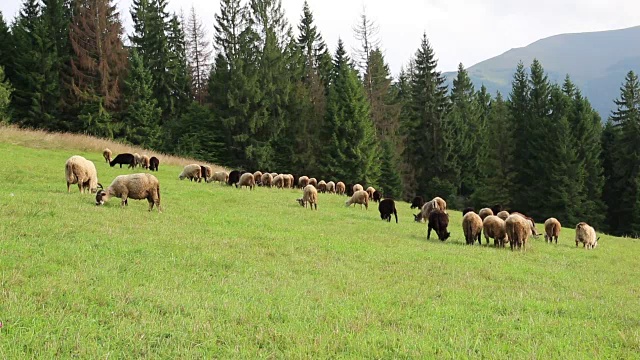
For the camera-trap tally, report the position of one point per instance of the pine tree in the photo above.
(98, 65)
(178, 68)
(521, 129)
(625, 202)
(199, 56)
(6, 43)
(427, 133)
(5, 96)
(141, 111)
(611, 191)
(352, 154)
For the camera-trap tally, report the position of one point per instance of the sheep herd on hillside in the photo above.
(495, 223)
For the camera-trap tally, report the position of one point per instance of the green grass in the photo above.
(227, 273)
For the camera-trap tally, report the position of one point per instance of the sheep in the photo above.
(278, 181)
(357, 187)
(106, 153)
(314, 182)
(503, 215)
(192, 171)
(586, 235)
(273, 175)
(292, 181)
(303, 181)
(322, 186)
(377, 196)
(496, 209)
(370, 190)
(417, 202)
(552, 229)
(386, 208)
(484, 212)
(436, 203)
(234, 177)
(267, 179)
(359, 197)
(246, 180)
(442, 205)
(309, 197)
(495, 228)
(531, 222)
(206, 172)
(138, 159)
(287, 181)
(472, 228)
(340, 188)
(154, 162)
(135, 186)
(258, 177)
(81, 171)
(518, 231)
(438, 221)
(219, 176)
(145, 161)
(349, 190)
(331, 187)
(467, 210)
(125, 158)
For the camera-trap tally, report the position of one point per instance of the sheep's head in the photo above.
(444, 236)
(417, 217)
(181, 176)
(101, 197)
(300, 201)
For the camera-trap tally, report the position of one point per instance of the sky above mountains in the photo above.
(459, 30)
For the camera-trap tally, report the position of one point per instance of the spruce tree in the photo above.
(520, 124)
(352, 153)
(611, 191)
(6, 44)
(5, 96)
(199, 55)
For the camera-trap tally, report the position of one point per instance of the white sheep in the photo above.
(145, 161)
(359, 197)
(138, 159)
(357, 187)
(246, 179)
(257, 176)
(331, 187)
(81, 171)
(370, 190)
(267, 180)
(309, 197)
(106, 153)
(322, 186)
(303, 181)
(192, 171)
(341, 188)
(586, 235)
(219, 176)
(135, 186)
(278, 181)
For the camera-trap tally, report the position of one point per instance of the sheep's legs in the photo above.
(68, 188)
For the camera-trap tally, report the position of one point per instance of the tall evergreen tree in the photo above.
(5, 96)
(611, 191)
(352, 152)
(6, 44)
(428, 135)
(367, 34)
(199, 56)
(520, 123)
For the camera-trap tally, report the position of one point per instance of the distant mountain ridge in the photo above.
(597, 63)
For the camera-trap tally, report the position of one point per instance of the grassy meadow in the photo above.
(228, 273)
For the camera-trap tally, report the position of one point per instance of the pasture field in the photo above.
(228, 273)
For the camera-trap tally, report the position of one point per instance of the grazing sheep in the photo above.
(278, 181)
(442, 205)
(386, 208)
(145, 161)
(138, 159)
(417, 202)
(81, 171)
(552, 229)
(340, 188)
(436, 203)
(586, 235)
(331, 187)
(106, 153)
(496, 209)
(357, 187)
(287, 181)
(124, 159)
(267, 179)
(359, 197)
(192, 171)
(377, 196)
(309, 197)
(314, 182)
(467, 210)
(246, 180)
(219, 176)
(273, 175)
(438, 221)
(134, 186)
(303, 181)
(206, 172)
(154, 162)
(258, 177)
(370, 190)
(495, 228)
(484, 212)
(292, 181)
(322, 186)
(234, 177)
(531, 222)
(518, 231)
(503, 215)
(472, 228)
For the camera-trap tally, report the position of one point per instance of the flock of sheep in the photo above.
(501, 226)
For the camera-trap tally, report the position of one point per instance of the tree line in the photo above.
(259, 95)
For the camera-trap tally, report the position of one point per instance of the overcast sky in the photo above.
(466, 31)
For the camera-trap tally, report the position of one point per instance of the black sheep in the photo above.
(349, 190)
(386, 208)
(126, 159)
(234, 177)
(438, 221)
(417, 202)
(466, 210)
(154, 162)
(377, 196)
(496, 209)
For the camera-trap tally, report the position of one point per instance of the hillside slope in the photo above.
(596, 61)
(230, 273)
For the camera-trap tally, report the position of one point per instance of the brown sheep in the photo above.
(340, 188)
(257, 176)
(438, 221)
(472, 228)
(331, 187)
(145, 161)
(359, 197)
(106, 153)
(495, 228)
(247, 180)
(309, 197)
(278, 181)
(267, 180)
(287, 181)
(503, 215)
(586, 235)
(220, 176)
(314, 182)
(436, 203)
(303, 181)
(357, 187)
(134, 186)
(206, 172)
(552, 229)
(518, 231)
(370, 190)
(484, 212)
(322, 186)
